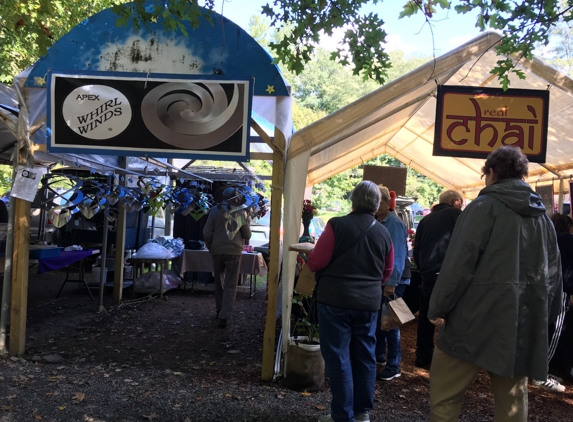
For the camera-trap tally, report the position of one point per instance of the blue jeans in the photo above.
(348, 344)
(391, 339)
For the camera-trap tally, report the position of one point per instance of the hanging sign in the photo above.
(394, 178)
(472, 121)
(26, 182)
(119, 113)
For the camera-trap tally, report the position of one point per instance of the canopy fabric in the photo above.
(398, 119)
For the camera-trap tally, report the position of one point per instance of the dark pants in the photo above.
(226, 269)
(562, 362)
(425, 340)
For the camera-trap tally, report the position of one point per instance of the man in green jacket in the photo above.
(499, 287)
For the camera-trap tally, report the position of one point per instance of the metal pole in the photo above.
(103, 259)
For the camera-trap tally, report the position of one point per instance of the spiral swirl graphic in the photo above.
(192, 115)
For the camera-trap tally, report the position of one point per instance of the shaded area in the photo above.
(167, 361)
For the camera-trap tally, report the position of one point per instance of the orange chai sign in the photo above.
(472, 121)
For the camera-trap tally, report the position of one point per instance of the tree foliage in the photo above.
(29, 27)
(334, 193)
(523, 23)
(5, 178)
(560, 52)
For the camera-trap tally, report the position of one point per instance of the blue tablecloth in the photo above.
(62, 261)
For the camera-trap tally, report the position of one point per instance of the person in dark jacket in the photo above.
(561, 344)
(432, 240)
(354, 258)
(499, 288)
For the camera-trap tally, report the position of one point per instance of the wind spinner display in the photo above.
(64, 195)
(240, 203)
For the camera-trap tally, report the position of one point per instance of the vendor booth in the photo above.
(104, 93)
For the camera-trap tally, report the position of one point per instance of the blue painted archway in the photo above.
(222, 48)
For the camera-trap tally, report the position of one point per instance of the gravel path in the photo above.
(165, 360)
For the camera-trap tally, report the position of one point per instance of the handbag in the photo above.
(387, 321)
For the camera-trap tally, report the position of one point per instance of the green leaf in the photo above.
(409, 9)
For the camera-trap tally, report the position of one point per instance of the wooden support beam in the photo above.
(268, 156)
(20, 258)
(274, 264)
(275, 146)
(119, 245)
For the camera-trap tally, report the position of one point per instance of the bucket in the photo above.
(93, 278)
(304, 366)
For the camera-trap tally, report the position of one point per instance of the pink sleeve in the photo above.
(389, 262)
(320, 257)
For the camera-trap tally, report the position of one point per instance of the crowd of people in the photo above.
(496, 278)
(493, 277)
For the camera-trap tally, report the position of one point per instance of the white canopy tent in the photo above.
(398, 119)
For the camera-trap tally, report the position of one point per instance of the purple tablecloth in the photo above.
(62, 261)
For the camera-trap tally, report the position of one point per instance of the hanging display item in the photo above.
(64, 195)
(240, 203)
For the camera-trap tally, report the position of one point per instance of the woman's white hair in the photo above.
(365, 197)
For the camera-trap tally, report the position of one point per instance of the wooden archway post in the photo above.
(274, 265)
(19, 273)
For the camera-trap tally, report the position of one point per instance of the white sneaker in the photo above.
(550, 384)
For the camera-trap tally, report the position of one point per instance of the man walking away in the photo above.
(432, 240)
(226, 253)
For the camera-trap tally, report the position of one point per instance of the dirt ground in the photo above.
(165, 360)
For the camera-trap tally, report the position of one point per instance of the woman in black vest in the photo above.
(353, 258)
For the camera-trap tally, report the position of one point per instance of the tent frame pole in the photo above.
(274, 264)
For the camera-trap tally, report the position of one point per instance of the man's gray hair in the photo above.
(365, 197)
(384, 193)
(449, 196)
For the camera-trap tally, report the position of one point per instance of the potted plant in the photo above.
(304, 365)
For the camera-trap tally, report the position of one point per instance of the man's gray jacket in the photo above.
(500, 284)
(217, 239)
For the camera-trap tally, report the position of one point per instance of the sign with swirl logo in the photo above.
(185, 116)
(472, 121)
